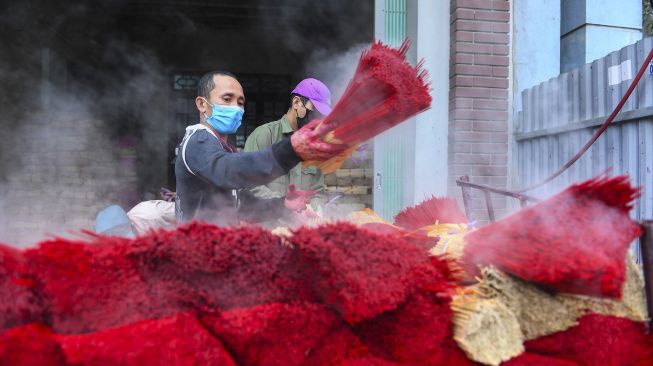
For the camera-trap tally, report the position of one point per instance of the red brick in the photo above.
(476, 159)
(499, 105)
(472, 25)
(490, 126)
(478, 48)
(499, 159)
(495, 16)
(501, 27)
(461, 80)
(480, 115)
(472, 136)
(462, 36)
(489, 148)
(460, 147)
(500, 182)
(473, 70)
(500, 71)
(462, 103)
(466, 92)
(462, 125)
(501, 5)
(499, 94)
(500, 50)
(491, 38)
(489, 60)
(461, 169)
(481, 180)
(499, 137)
(465, 58)
(490, 82)
(462, 14)
(472, 4)
(489, 170)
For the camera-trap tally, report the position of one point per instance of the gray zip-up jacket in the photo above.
(212, 182)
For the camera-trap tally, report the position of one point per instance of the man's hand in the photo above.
(296, 200)
(309, 146)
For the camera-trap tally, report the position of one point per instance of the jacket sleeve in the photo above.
(210, 162)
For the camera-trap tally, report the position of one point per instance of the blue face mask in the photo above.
(225, 119)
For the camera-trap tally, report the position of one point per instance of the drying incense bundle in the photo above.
(384, 91)
(598, 340)
(538, 313)
(29, 345)
(631, 306)
(532, 359)
(419, 332)
(343, 348)
(486, 329)
(574, 242)
(361, 274)
(18, 303)
(273, 333)
(433, 210)
(177, 340)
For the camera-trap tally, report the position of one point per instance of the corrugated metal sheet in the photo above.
(560, 115)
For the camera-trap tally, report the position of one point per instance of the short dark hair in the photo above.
(206, 83)
(301, 97)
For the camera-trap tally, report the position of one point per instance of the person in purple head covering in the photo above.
(311, 99)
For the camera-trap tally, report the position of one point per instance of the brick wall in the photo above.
(478, 97)
(351, 184)
(59, 174)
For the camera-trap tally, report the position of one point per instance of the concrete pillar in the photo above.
(590, 29)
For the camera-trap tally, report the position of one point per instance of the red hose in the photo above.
(599, 132)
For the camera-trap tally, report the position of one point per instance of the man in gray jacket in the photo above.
(213, 179)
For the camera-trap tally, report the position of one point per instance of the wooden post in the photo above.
(467, 197)
(646, 245)
(490, 206)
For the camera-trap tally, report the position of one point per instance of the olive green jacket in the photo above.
(303, 177)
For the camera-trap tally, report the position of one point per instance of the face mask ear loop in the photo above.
(209, 103)
(307, 110)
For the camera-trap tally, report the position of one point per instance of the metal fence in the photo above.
(561, 114)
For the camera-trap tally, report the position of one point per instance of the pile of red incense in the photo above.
(575, 241)
(332, 295)
(249, 298)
